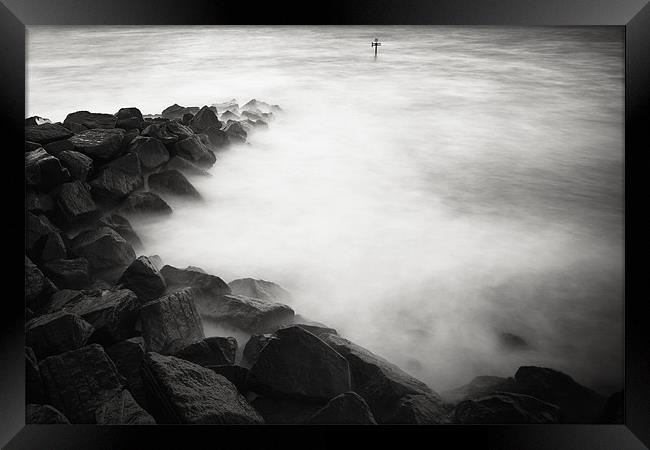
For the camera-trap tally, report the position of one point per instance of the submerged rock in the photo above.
(43, 415)
(122, 409)
(506, 408)
(56, 333)
(172, 182)
(346, 408)
(246, 313)
(99, 144)
(90, 120)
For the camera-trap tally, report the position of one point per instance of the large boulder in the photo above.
(46, 133)
(212, 351)
(346, 408)
(176, 111)
(34, 391)
(57, 147)
(38, 202)
(185, 393)
(56, 333)
(128, 118)
(75, 203)
(199, 281)
(144, 278)
(119, 178)
(185, 166)
(264, 290)
(123, 227)
(90, 120)
(502, 407)
(179, 130)
(144, 203)
(127, 356)
(171, 322)
(122, 409)
(194, 150)
(53, 248)
(246, 313)
(99, 144)
(298, 364)
(103, 248)
(79, 381)
(79, 165)
(151, 152)
(420, 409)
(217, 137)
(237, 375)
(204, 119)
(68, 273)
(44, 171)
(38, 288)
(160, 133)
(254, 346)
(43, 415)
(236, 132)
(172, 182)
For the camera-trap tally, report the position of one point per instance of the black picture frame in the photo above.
(633, 15)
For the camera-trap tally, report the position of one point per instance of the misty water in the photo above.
(467, 182)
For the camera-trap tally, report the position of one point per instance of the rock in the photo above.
(316, 330)
(255, 345)
(176, 111)
(346, 408)
(204, 119)
(119, 178)
(252, 115)
(123, 227)
(31, 146)
(419, 409)
(76, 128)
(229, 115)
(236, 132)
(74, 202)
(187, 393)
(68, 273)
(127, 356)
(78, 164)
(379, 382)
(172, 182)
(38, 202)
(90, 120)
(264, 290)
(217, 137)
(43, 415)
(128, 118)
(237, 375)
(34, 391)
(46, 133)
(185, 166)
(171, 322)
(38, 288)
(79, 381)
(99, 144)
(44, 171)
(195, 278)
(60, 299)
(36, 120)
(195, 151)
(56, 333)
(160, 133)
(53, 249)
(37, 228)
(260, 124)
(122, 409)
(103, 248)
(113, 314)
(144, 203)
(151, 152)
(212, 351)
(286, 411)
(506, 408)
(259, 105)
(57, 147)
(246, 313)
(479, 387)
(299, 364)
(614, 410)
(187, 118)
(180, 130)
(143, 278)
(512, 342)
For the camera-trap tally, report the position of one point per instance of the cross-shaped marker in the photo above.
(375, 44)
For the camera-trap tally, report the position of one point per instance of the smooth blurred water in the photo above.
(466, 182)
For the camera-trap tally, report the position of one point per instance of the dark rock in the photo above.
(144, 203)
(346, 408)
(195, 151)
(57, 147)
(183, 392)
(78, 164)
(123, 227)
(160, 133)
(316, 330)
(113, 314)
(129, 136)
(204, 119)
(217, 137)
(260, 124)
(246, 313)
(38, 202)
(419, 409)
(34, 391)
(128, 118)
(286, 411)
(90, 120)
(264, 290)
(103, 248)
(31, 146)
(185, 166)
(122, 409)
(44, 171)
(187, 118)
(60, 299)
(76, 128)
(172, 182)
(299, 364)
(236, 132)
(37, 227)
(614, 410)
(212, 351)
(99, 144)
(151, 152)
(237, 375)
(74, 202)
(36, 120)
(53, 248)
(171, 322)
(119, 178)
(379, 382)
(180, 130)
(506, 408)
(512, 341)
(479, 387)
(38, 288)
(255, 345)
(57, 333)
(44, 415)
(68, 273)
(229, 115)
(143, 278)
(79, 381)
(176, 111)
(46, 133)
(195, 278)
(127, 356)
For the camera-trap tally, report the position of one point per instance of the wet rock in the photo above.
(299, 364)
(255, 345)
(76, 128)
(217, 137)
(180, 130)
(43, 171)
(172, 182)
(75, 203)
(53, 248)
(204, 119)
(160, 133)
(237, 375)
(419, 409)
(46, 133)
(286, 411)
(123, 227)
(37, 227)
(122, 409)
(60, 299)
(90, 120)
(38, 202)
(43, 415)
(36, 120)
(212, 351)
(195, 151)
(346, 408)
(183, 392)
(128, 118)
(236, 132)
(144, 203)
(127, 356)
(171, 322)
(99, 144)
(506, 408)
(246, 313)
(151, 152)
(195, 278)
(78, 164)
(185, 166)
(79, 381)
(57, 147)
(479, 387)
(176, 111)
(144, 278)
(56, 333)
(264, 290)
(103, 248)
(68, 273)
(119, 178)
(34, 391)
(316, 330)
(38, 288)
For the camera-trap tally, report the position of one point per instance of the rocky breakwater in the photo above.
(117, 337)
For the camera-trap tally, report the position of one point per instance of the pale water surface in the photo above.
(467, 182)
